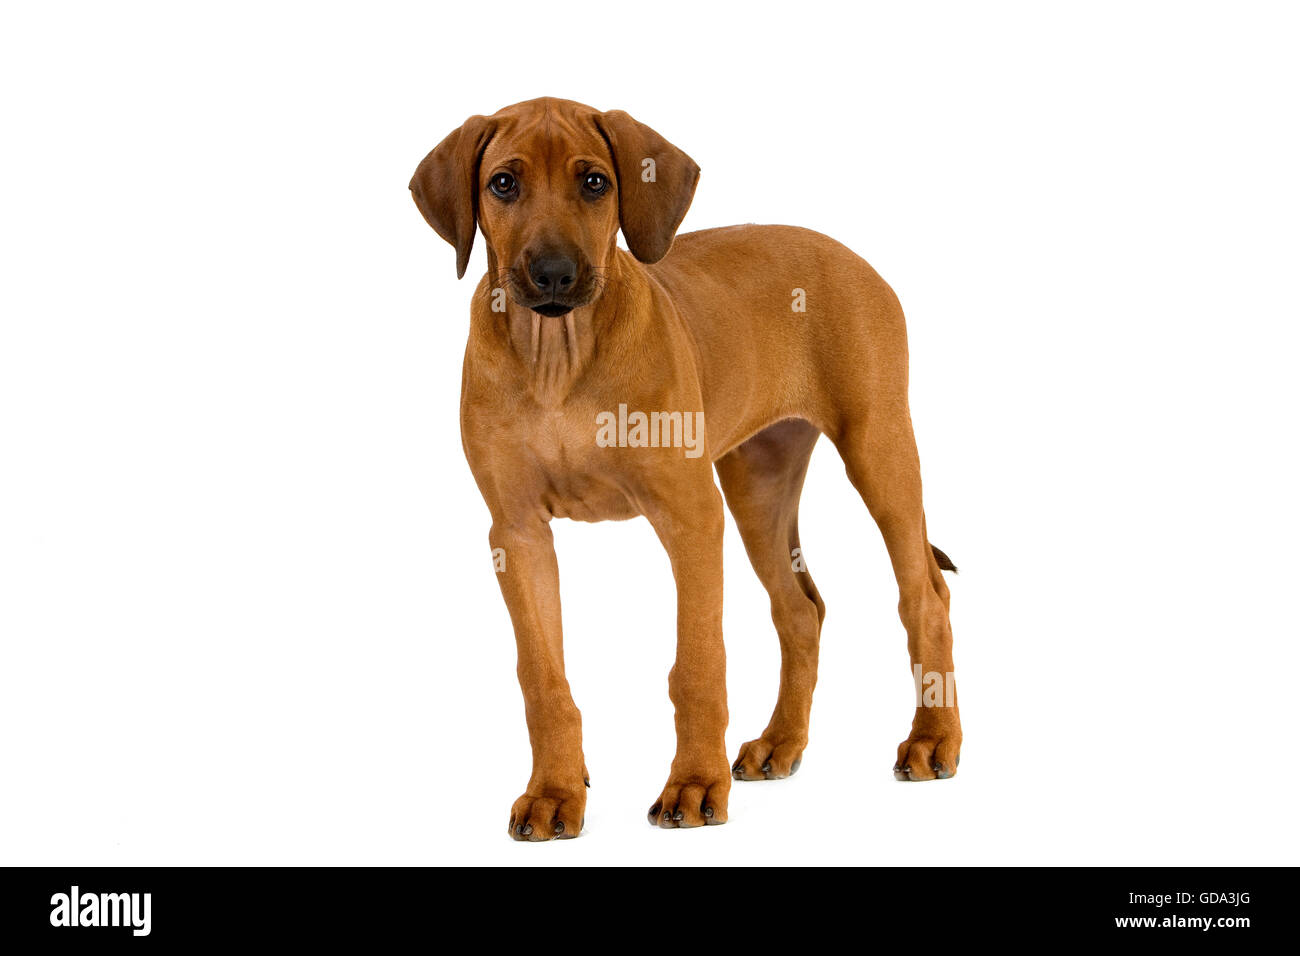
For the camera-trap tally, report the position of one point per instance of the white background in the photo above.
(247, 606)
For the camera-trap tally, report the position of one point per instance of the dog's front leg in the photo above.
(554, 804)
(690, 527)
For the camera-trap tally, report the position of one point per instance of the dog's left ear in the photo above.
(445, 186)
(656, 182)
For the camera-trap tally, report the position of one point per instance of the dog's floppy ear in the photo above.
(445, 186)
(656, 182)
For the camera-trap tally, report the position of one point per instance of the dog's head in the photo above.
(550, 182)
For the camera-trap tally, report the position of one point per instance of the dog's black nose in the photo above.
(553, 272)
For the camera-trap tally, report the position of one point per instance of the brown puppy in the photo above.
(603, 385)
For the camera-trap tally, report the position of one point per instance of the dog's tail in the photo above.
(945, 562)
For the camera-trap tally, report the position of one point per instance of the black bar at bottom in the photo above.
(130, 908)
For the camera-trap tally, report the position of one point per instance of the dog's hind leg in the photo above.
(762, 479)
(880, 456)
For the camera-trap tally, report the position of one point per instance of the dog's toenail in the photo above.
(667, 817)
(767, 767)
(678, 815)
(794, 767)
(559, 826)
(708, 811)
(738, 766)
(587, 782)
(524, 829)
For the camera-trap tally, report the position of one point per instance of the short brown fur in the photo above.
(700, 324)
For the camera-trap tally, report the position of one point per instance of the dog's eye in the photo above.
(503, 186)
(595, 184)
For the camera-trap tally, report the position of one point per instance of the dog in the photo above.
(764, 338)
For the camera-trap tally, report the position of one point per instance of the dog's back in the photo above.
(817, 327)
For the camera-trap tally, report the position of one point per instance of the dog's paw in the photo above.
(549, 815)
(694, 802)
(768, 758)
(927, 757)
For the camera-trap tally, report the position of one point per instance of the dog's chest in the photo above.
(577, 480)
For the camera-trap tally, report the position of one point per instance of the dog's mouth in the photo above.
(552, 310)
(552, 302)
(554, 306)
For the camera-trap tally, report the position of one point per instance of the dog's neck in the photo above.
(555, 351)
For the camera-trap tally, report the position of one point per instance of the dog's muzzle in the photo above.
(553, 287)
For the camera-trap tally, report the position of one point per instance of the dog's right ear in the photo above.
(445, 186)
